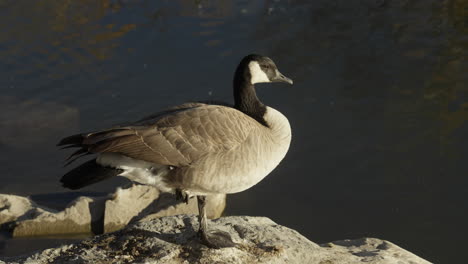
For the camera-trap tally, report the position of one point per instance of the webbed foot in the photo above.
(212, 239)
(217, 239)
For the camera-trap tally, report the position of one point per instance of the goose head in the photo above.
(261, 69)
(254, 69)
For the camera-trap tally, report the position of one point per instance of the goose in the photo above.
(194, 149)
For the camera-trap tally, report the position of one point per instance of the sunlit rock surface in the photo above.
(97, 215)
(13, 206)
(260, 240)
(145, 202)
(76, 218)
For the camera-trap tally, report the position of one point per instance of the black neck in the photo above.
(245, 98)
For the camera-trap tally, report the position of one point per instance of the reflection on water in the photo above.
(379, 108)
(32, 123)
(59, 35)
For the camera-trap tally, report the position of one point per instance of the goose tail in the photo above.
(86, 174)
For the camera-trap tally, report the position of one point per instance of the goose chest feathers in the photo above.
(194, 148)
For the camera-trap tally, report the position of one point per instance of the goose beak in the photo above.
(281, 78)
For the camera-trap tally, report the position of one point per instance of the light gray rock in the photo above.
(122, 208)
(30, 219)
(97, 215)
(76, 218)
(126, 204)
(173, 240)
(370, 250)
(12, 207)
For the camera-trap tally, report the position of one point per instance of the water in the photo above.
(378, 108)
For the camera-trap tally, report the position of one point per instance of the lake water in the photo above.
(378, 109)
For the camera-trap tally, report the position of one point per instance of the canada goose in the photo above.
(194, 149)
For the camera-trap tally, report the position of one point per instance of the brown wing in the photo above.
(176, 138)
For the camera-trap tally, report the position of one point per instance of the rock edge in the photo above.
(173, 240)
(98, 214)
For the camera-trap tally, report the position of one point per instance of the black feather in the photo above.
(71, 146)
(74, 139)
(78, 152)
(86, 174)
(70, 161)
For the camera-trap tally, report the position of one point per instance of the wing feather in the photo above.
(175, 138)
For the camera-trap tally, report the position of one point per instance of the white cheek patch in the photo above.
(258, 76)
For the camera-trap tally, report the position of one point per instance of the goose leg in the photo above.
(213, 239)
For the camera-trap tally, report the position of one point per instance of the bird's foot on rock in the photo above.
(217, 239)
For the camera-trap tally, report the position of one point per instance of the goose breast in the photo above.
(244, 165)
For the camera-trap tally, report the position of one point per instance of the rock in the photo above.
(370, 250)
(79, 217)
(122, 208)
(97, 215)
(13, 206)
(173, 240)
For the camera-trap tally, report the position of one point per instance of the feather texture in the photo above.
(177, 139)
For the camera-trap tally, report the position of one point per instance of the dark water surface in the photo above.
(379, 107)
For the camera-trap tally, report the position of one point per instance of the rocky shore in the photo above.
(158, 229)
(173, 240)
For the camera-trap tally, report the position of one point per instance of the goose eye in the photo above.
(265, 66)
